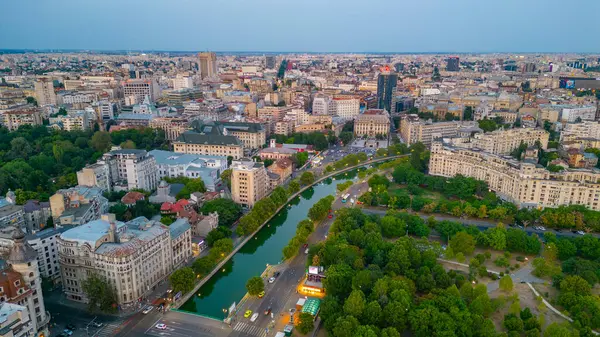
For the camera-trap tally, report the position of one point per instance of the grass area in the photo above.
(401, 190)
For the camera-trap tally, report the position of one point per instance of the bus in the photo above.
(345, 197)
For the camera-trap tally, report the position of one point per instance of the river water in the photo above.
(229, 285)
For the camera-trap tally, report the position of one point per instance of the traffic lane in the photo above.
(480, 223)
(138, 323)
(181, 324)
(62, 315)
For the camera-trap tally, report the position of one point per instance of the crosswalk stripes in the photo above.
(109, 328)
(250, 329)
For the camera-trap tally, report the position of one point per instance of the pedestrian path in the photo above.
(250, 329)
(109, 329)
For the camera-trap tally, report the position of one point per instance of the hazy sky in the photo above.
(304, 25)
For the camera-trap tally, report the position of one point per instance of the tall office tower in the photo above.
(208, 64)
(453, 64)
(386, 86)
(44, 92)
(270, 61)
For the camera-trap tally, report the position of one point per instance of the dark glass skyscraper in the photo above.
(386, 87)
(453, 64)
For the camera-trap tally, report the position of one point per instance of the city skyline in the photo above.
(261, 26)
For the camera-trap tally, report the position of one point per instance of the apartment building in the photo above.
(284, 127)
(173, 127)
(21, 284)
(77, 205)
(44, 91)
(11, 214)
(274, 113)
(322, 105)
(131, 169)
(96, 174)
(15, 321)
(132, 257)
(372, 123)
(207, 64)
(13, 119)
(138, 89)
(78, 120)
(505, 141)
(522, 183)
(43, 242)
(252, 135)
(77, 97)
(249, 182)
(569, 113)
(578, 131)
(106, 110)
(36, 214)
(213, 145)
(414, 130)
(171, 164)
(182, 82)
(346, 107)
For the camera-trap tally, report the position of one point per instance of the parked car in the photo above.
(71, 327)
(271, 279)
(67, 332)
(97, 324)
(581, 232)
(161, 326)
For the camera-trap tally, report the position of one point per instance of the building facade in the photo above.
(249, 182)
(414, 130)
(44, 91)
(505, 141)
(212, 145)
(372, 123)
(84, 203)
(132, 257)
(173, 127)
(522, 183)
(138, 89)
(207, 64)
(386, 88)
(132, 169)
(13, 119)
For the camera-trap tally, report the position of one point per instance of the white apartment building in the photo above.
(140, 88)
(249, 182)
(180, 232)
(15, 321)
(132, 257)
(322, 105)
(182, 82)
(571, 113)
(505, 141)
(44, 91)
(345, 107)
(414, 130)
(576, 131)
(77, 97)
(106, 110)
(131, 169)
(522, 183)
(171, 164)
(21, 284)
(78, 120)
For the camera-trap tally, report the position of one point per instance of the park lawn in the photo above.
(398, 190)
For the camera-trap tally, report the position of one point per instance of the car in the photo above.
(67, 332)
(306, 251)
(581, 232)
(261, 294)
(247, 313)
(271, 279)
(268, 311)
(71, 327)
(254, 317)
(97, 324)
(161, 326)
(542, 228)
(276, 274)
(148, 309)
(330, 216)
(305, 245)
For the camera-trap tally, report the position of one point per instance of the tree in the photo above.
(306, 323)
(255, 285)
(576, 285)
(101, 295)
(228, 210)
(216, 234)
(31, 100)
(226, 177)
(101, 141)
(183, 280)
(293, 187)
(355, 303)
(506, 283)
(560, 330)
(346, 137)
(307, 178)
(167, 220)
(463, 242)
(128, 144)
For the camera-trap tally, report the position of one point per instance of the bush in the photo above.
(493, 276)
(502, 261)
(517, 266)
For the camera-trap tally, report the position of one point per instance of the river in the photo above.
(229, 285)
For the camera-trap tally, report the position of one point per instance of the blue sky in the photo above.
(305, 25)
